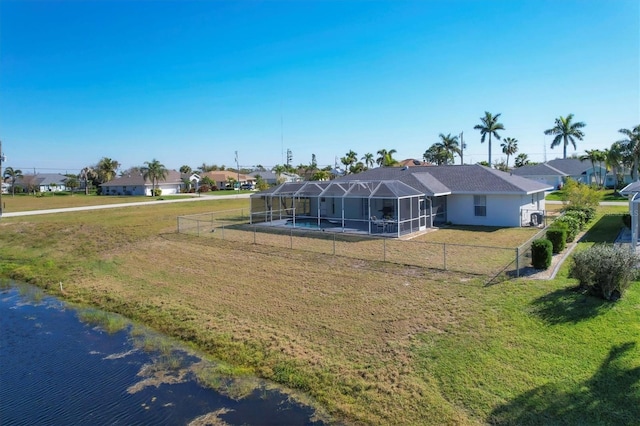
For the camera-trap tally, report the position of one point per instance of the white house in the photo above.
(406, 199)
(555, 172)
(135, 184)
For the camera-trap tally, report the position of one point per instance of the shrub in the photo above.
(204, 188)
(590, 212)
(557, 234)
(626, 219)
(580, 195)
(580, 215)
(157, 192)
(605, 270)
(541, 253)
(573, 226)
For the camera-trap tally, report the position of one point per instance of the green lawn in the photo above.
(371, 343)
(606, 195)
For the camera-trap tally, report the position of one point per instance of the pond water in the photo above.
(55, 369)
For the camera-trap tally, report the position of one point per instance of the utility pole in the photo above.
(462, 147)
(238, 170)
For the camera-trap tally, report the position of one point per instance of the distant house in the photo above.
(397, 201)
(412, 162)
(135, 184)
(556, 172)
(271, 177)
(43, 182)
(223, 178)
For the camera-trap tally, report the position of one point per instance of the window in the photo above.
(480, 204)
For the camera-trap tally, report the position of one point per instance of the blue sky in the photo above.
(192, 82)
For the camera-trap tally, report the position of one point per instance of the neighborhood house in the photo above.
(394, 201)
(556, 172)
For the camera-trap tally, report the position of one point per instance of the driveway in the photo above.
(114, 206)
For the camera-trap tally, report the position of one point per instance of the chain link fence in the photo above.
(233, 225)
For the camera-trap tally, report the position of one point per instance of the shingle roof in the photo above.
(570, 166)
(441, 180)
(173, 177)
(542, 169)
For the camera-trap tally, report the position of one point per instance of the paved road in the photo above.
(113, 206)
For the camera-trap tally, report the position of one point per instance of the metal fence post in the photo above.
(384, 249)
(444, 255)
(291, 239)
(223, 232)
(254, 234)
(334, 244)
(517, 262)
(198, 222)
(178, 219)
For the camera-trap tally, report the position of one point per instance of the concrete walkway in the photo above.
(119, 205)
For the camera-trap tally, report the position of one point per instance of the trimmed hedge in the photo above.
(541, 253)
(573, 226)
(590, 212)
(579, 215)
(557, 234)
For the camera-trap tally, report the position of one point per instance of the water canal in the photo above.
(55, 369)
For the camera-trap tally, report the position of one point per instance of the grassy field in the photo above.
(605, 195)
(372, 343)
(25, 202)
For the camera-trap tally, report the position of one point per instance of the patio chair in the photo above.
(379, 223)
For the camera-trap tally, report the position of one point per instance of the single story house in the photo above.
(222, 178)
(42, 182)
(555, 172)
(135, 184)
(271, 177)
(632, 192)
(396, 201)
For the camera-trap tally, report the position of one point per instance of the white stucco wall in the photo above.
(502, 210)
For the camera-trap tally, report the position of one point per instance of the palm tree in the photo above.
(509, 147)
(385, 158)
(631, 146)
(106, 169)
(85, 175)
(565, 132)
(450, 145)
(13, 175)
(594, 155)
(154, 171)
(489, 126)
(369, 160)
(438, 155)
(186, 170)
(614, 162)
(522, 160)
(349, 160)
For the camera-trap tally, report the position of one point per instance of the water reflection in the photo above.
(58, 370)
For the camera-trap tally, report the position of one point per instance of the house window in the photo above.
(480, 205)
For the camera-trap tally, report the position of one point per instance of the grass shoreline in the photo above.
(373, 343)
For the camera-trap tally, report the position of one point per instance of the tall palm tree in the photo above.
(489, 126)
(565, 131)
(86, 174)
(631, 147)
(614, 162)
(594, 156)
(509, 147)
(385, 158)
(369, 160)
(12, 174)
(186, 169)
(106, 169)
(450, 145)
(155, 171)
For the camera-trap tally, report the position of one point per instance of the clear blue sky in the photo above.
(192, 82)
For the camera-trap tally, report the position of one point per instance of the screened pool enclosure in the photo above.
(387, 208)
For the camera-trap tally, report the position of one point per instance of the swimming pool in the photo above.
(311, 223)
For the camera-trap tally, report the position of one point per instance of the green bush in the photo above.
(626, 219)
(605, 270)
(157, 192)
(541, 253)
(557, 234)
(580, 215)
(573, 226)
(589, 212)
